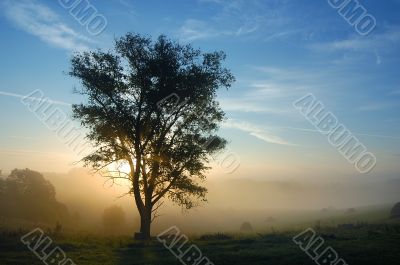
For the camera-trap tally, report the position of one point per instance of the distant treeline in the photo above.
(26, 194)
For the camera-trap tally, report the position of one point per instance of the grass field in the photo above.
(368, 244)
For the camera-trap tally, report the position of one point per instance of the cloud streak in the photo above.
(257, 132)
(3, 93)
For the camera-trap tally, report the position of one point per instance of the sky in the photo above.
(279, 51)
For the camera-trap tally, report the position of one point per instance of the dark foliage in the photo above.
(26, 194)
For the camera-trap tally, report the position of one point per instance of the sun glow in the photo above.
(124, 168)
(120, 171)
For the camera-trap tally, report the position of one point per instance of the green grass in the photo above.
(370, 244)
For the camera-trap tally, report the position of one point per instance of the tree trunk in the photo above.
(145, 223)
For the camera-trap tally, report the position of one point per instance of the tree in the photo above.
(114, 218)
(152, 105)
(246, 227)
(28, 195)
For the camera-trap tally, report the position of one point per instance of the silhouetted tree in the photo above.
(133, 117)
(27, 194)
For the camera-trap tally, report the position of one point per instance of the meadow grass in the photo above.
(367, 244)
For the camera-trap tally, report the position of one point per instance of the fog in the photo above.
(266, 204)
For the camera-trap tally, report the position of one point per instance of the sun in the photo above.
(122, 167)
(125, 168)
(119, 172)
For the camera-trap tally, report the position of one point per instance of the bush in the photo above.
(114, 219)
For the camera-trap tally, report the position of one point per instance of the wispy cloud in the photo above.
(3, 93)
(41, 21)
(355, 133)
(377, 45)
(267, 136)
(273, 91)
(256, 131)
(245, 104)
(127, 6)
(238, 18)
(377, 106)
(193, 29)
(285, 74)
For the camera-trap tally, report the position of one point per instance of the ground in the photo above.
(361, 245)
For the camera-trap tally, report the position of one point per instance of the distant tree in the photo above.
(395, 212)
(114, 218)
(351, 211)
(246, 227)
(31, 184)
(133, 116)
(27, 194)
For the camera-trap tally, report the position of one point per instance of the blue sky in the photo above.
(278, 50)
